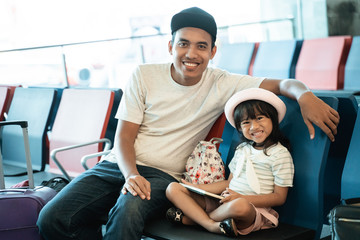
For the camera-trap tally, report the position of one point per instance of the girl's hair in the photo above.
(249, 109)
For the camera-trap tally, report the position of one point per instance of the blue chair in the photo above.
(235, 57)
(350, 183)
(33, 105)
(301, 217)
(350, 192)
(55, 106)
(347, 109)
(277, 59)
(304, 205)
(352, 66)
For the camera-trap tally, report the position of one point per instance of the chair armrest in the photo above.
(55, 151)
(85, 158)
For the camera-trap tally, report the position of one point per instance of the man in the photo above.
(165, 110)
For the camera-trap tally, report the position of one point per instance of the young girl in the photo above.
(261, 172)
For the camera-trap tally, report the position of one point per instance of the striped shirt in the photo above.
(274, 168)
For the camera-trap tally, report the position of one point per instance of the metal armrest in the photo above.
(85, 158)
(55, 151)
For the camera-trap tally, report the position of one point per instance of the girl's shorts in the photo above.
(265, 217)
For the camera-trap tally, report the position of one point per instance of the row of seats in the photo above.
(312, 159)
(57, 118)
(331, 63)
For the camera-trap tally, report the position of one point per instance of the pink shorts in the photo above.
(265, 217)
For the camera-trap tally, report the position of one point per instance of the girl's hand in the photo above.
(229, 195)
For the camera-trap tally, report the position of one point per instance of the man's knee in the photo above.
(129, 205)
(46, 222)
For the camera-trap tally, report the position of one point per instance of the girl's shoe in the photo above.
(228, 227)
(174, 215)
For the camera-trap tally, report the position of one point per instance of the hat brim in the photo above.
(254, 94)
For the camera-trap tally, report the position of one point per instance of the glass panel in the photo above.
(101, 64)
(36, 67)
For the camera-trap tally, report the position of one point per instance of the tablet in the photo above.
(201, 192)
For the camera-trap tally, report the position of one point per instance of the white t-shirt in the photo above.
(173, 118)
(274, 168)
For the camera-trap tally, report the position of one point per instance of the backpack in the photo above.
(56, 183)
(205, 165)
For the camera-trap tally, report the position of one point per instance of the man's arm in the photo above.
(313, 109)
(125, 136)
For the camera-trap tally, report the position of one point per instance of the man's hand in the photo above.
(314, 110)
(137, 185)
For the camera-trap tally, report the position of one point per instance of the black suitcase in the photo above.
(20, 207)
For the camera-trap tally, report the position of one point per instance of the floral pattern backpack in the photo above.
(205, 165)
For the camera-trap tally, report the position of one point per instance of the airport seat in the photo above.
(10, 95)
(352, 67)
(350, 181)
(347, 109)
(235, 57)
(82, 118)
(111, 128)
(217, 129)
(301, 215)
(34, 106)
(59, 91)
(321, 62)
(350, 190)
(4, 98)
(277, 59)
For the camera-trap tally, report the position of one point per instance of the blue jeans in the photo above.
(94, 198)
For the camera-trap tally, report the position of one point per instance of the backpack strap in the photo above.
(216, 140)
(274, 220)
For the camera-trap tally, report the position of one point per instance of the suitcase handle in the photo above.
(14, 190)
(23, 125)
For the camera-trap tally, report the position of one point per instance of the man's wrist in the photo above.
(131, 175)
(304, 94)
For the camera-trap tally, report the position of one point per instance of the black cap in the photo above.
(194, 17)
